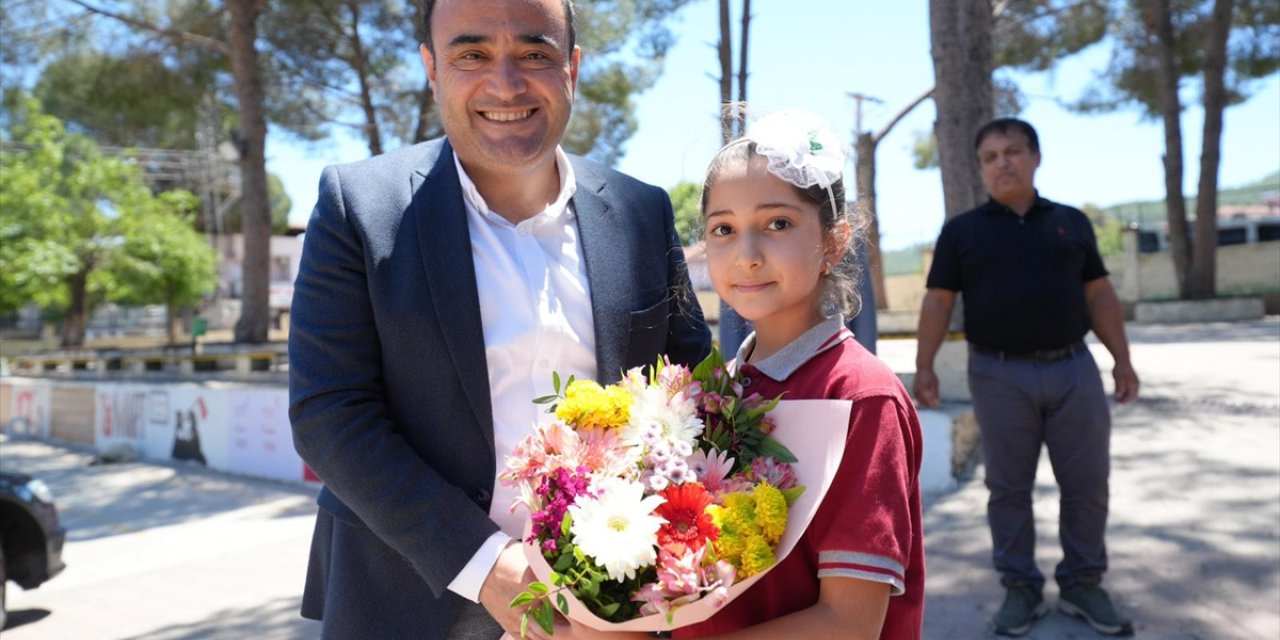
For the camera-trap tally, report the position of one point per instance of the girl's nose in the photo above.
(748, 255)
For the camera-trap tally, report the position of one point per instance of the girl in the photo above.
(776, 231)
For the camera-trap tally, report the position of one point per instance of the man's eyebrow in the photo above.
(540, 39)
(468, 38)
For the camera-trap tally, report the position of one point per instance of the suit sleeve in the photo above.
(339, 410)
(688, 337)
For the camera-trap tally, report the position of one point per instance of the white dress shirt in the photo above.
(536, 309)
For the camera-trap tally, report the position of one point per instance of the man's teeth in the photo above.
(507, 117)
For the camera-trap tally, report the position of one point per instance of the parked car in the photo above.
(30, 536)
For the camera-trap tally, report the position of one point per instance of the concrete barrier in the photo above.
(1212, 310)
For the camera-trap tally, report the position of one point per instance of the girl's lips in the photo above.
(751, 287)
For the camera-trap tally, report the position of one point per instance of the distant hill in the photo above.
(902, 261)
(1153, 210)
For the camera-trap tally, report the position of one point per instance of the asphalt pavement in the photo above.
(1194, 533)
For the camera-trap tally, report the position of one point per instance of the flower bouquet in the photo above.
(656, 500)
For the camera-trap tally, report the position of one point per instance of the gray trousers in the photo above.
(1021, 405)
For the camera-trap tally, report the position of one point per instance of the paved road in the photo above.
(164, 552)
(1194, 532)
(168, 552)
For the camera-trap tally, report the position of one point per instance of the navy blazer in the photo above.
(388, 384)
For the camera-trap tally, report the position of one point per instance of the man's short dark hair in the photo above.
(1003, 126)
(429, 7)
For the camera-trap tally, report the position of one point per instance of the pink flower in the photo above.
(711, 468)
(778, 474)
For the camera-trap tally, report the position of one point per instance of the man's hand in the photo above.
(925, 388)
(1126, 382)
(509, 578)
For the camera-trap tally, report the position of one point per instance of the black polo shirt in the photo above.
(1022, 277)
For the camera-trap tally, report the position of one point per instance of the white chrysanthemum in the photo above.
(654, 411)
(618, 529)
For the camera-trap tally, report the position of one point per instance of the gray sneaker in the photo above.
(1090, 602)
(1023, 605)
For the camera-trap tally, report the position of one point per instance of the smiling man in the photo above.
(1034, 286)
(440, 288)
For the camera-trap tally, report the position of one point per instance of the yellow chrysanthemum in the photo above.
(771, 511)
(756, 557)
(588, 405)
(740, 511)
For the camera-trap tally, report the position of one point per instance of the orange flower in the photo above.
(688, 525)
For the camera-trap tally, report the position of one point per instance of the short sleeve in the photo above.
(1094, 268)
(944, 273)
(863, 529)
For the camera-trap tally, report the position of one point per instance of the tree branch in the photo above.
(901, 114)
(176, 35)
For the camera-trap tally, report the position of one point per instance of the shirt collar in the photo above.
(779, 366)
(568, 186)
(993, 206)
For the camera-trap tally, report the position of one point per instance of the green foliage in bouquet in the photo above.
(733, 422)
(571, 569)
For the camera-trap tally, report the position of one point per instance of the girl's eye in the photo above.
(779, 224)
(720, 230)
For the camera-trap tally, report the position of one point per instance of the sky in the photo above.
(815, 53)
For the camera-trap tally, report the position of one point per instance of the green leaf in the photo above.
(538, 588)
(774, 449)
(555, 382)
(563, 603)
(792, 494)
(522, 599)
(563, 562)
(524, 625)
(609, 609)
(545, 616)
(545, 399)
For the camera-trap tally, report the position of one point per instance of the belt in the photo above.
(1039, 355)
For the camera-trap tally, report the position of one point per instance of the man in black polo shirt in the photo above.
(1033, 286)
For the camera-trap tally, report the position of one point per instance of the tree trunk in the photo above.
(1202, 277)
(727, 126)
(372, 131)
(77, 320)
(171, 320)
(741, 125)
(961, 37)
(1160, 23)
(255, 314)
(865, 178)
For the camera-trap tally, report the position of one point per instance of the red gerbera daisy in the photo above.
(688, 526)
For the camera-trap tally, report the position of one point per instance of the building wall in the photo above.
(1242, 269)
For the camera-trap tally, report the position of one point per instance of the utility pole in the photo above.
(858, 99)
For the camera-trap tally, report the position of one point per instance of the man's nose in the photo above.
(507, 80)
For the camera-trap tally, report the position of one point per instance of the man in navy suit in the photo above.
(440, 287)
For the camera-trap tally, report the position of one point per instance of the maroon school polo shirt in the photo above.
(868, 526)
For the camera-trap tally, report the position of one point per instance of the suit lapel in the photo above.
(602, 248)
(445, 243)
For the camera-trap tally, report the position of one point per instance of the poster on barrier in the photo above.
(28, 412)
(260, 442)
(163, 422)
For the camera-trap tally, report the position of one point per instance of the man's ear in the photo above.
(575, 59)
(428, 63)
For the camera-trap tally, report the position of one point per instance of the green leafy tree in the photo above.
(1107, 229)
(1158, 47)
(163, 259)
(686, 201)
(67, 212)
